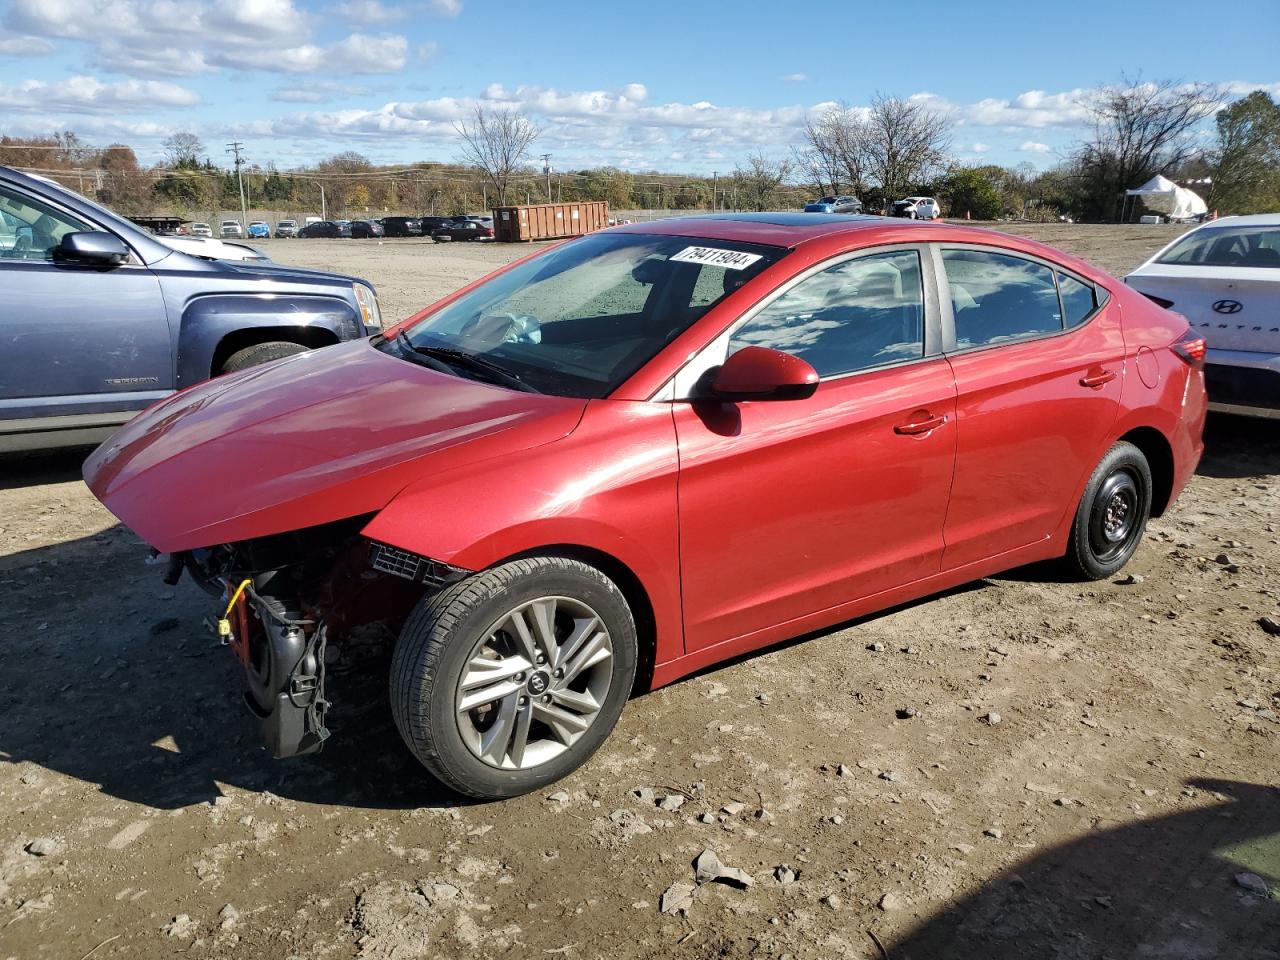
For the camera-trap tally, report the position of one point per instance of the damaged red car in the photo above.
(651, 449)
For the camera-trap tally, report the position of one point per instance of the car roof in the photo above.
(792, 229)
(1248, 220)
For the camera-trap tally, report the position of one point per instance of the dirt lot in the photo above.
(1117, 810)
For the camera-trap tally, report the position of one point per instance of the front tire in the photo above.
(511, 679)
(260, 353)
(1112, 515)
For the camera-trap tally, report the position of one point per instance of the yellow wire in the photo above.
(236, 596)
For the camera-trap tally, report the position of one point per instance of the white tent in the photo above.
(1164, 196)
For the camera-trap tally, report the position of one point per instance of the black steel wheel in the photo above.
(1112, 514)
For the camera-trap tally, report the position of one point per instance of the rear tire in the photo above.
(544, 649)
(261, 353)
(1112, 515)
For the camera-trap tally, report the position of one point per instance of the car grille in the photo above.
(411, 566)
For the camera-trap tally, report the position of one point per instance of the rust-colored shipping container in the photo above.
(549, 221)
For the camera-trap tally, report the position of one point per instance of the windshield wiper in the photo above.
(470, 361)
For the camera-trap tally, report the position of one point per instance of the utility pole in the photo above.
(324, 215)
(713, 191)
(546, 169)
(234, 147)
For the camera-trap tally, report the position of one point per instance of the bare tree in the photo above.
(182, 149)
(1139, 129)
(759, 182)
(835, 156)
(497, 142)
(906, 142)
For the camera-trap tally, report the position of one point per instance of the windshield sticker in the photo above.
(715, 257)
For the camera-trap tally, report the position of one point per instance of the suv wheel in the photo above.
(260, 353)
(1112, 514)
(512, 678)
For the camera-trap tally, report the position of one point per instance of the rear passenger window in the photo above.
(858, 314)
(1077, 300)
(997, 298)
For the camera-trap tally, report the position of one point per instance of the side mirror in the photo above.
(95, 246)
(759, 373)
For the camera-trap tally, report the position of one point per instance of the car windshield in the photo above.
(580, 319)
(826, 200)
(1227, 246)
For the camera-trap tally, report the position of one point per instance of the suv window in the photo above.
(1078, 300)
(30, 229)
(997, 297)
(855, 315)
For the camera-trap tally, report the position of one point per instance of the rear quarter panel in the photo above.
(1160, 389)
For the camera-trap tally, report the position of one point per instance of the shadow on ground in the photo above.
(112, 678)
(1164, 887)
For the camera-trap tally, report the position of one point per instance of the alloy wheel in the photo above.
(534, 683)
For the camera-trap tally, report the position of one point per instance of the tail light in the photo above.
(1158, 301)
(1190, 348)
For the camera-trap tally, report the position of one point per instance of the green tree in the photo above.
(1246, 160)
(971, 191)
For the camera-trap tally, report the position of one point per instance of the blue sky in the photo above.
(690, 86)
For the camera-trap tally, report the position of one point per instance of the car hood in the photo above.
(311, 439)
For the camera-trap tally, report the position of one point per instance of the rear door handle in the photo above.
(1098, 379)
(920, 426)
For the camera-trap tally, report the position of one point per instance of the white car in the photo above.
(917, 208)
(1224, 277)
(201, 230)
(231, 228)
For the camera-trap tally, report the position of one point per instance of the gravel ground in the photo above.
(1022, 768)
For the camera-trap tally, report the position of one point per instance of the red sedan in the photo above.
(652, 449)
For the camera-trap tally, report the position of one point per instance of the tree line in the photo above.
(890, 149)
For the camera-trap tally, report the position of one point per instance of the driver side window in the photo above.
(30, 229)
(858, 314)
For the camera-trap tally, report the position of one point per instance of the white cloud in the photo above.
(358, 53)
(89, 95)
(445, 8)
(369, 12)
(796, 77)
(979, 148)
(1033, 146)
(316, 92)
(24, 47)
(200, 36)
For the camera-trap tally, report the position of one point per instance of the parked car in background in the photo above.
(230, 228)
(917, 208)
(201, 230)
(841, 204)
(570, 484)
(100, 319)
(1224, 277)
(325, 228)
(286, 229)
(432, 224)
(367, 229)
(462, 230)
(402, 226)
(260, 229)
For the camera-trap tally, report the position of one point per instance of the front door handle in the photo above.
(920, 426)
(1099, 379)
